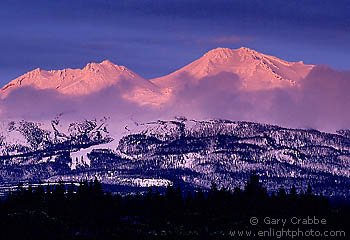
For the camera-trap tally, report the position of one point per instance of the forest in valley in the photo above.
(86, 211)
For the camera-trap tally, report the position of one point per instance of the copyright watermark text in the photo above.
(292, 227)
(284, 221)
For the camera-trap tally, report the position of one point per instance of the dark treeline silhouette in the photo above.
(87, 212)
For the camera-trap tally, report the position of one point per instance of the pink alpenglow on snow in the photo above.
(236, 84)
(92, 78)
(256, 70)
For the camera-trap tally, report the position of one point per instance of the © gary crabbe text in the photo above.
(309, 220)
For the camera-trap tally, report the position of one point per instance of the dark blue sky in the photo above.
(156, 37)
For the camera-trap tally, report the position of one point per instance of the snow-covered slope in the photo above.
(92, 78)
(256, 70)
(188, 152)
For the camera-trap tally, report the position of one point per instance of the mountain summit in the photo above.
(223, 66)
(92, 78)
(256, 70)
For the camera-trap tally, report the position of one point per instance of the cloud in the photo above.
(36, 104)
(207, 98)
(321, 101)
(210, 42)
(324, 98)
(230, 39)
(28, 102)
(97, 45)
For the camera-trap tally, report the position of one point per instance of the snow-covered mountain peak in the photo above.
(256, 70)
(36, 72)
(248, 70)
(92, 78)
(107, 67)
(226, 53)
(246, 50)
(218, 53)
(107, 62)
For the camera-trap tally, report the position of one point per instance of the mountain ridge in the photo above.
(179, 151)
(256, 70)
(43, 79)
(88, 80)
(246, 63)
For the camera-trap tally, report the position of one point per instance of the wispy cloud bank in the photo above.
(231, 39)
(321, 101)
